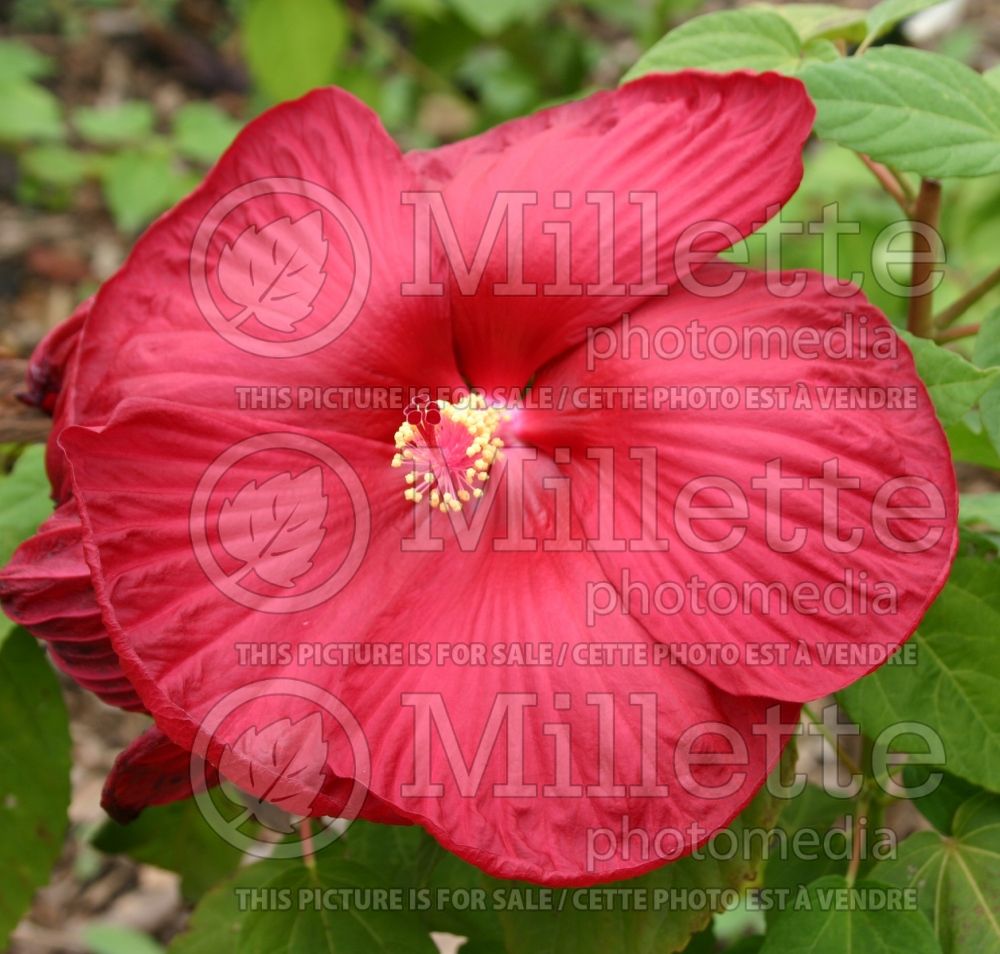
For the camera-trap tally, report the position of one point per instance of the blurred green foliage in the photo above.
(434, 70)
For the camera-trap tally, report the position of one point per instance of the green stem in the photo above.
(308, 852)
(892, 183)
(842, 756)
(857, 836)
(956, 309)
(861, 816)
(954, 334)
(904, 183)
(926, 211)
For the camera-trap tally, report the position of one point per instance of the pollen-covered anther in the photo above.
(448, 450)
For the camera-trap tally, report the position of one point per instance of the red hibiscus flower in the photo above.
(571, 617)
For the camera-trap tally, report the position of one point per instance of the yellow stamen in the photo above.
(429, 450)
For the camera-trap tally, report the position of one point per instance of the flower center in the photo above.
(449, 449)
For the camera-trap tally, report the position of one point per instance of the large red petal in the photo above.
(46, 585)
(781, 647)
(600, 691)
(188, 649)
(314, 184)
(46, 588)
(707, 148)
(146, 334)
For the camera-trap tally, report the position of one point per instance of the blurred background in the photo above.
(111, 110)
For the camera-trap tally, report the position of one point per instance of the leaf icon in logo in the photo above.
(276, 272)
(287, 766)
(277, 527)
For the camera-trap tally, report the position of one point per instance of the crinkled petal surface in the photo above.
(297, 232)
(46, 586)
(146, 332)
(272, 598)
(618, 194)
(422, 728)
(811, 591)
(47, 589)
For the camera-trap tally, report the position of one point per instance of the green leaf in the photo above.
(986, 344)
(293, 46)
(885, 15)
(24, 500)
(754, 39)
(940, 805)
(974, 544)
(495, 16)
(18, 61)
(955, 686)
(986, 352)
(431, 9)
(704, 942)
(411, 860)
(34, 774)
(55, 165)
(175, 837)
(813, 807)
(992, 76)
(820, 928)
(114, 939)
(215, 925)
(747, 945)
(957, 877)
(203, 132)
(814, 20)
(915, 110)
(29, 112)
(821, 50)
(354, 929)
(138, 186)
(412, 852)
(980, 510)
(343, 924)
(128, 122)
(813, 810)
(954, 383)
(979, 520)
(970, 442)
(506, 87)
